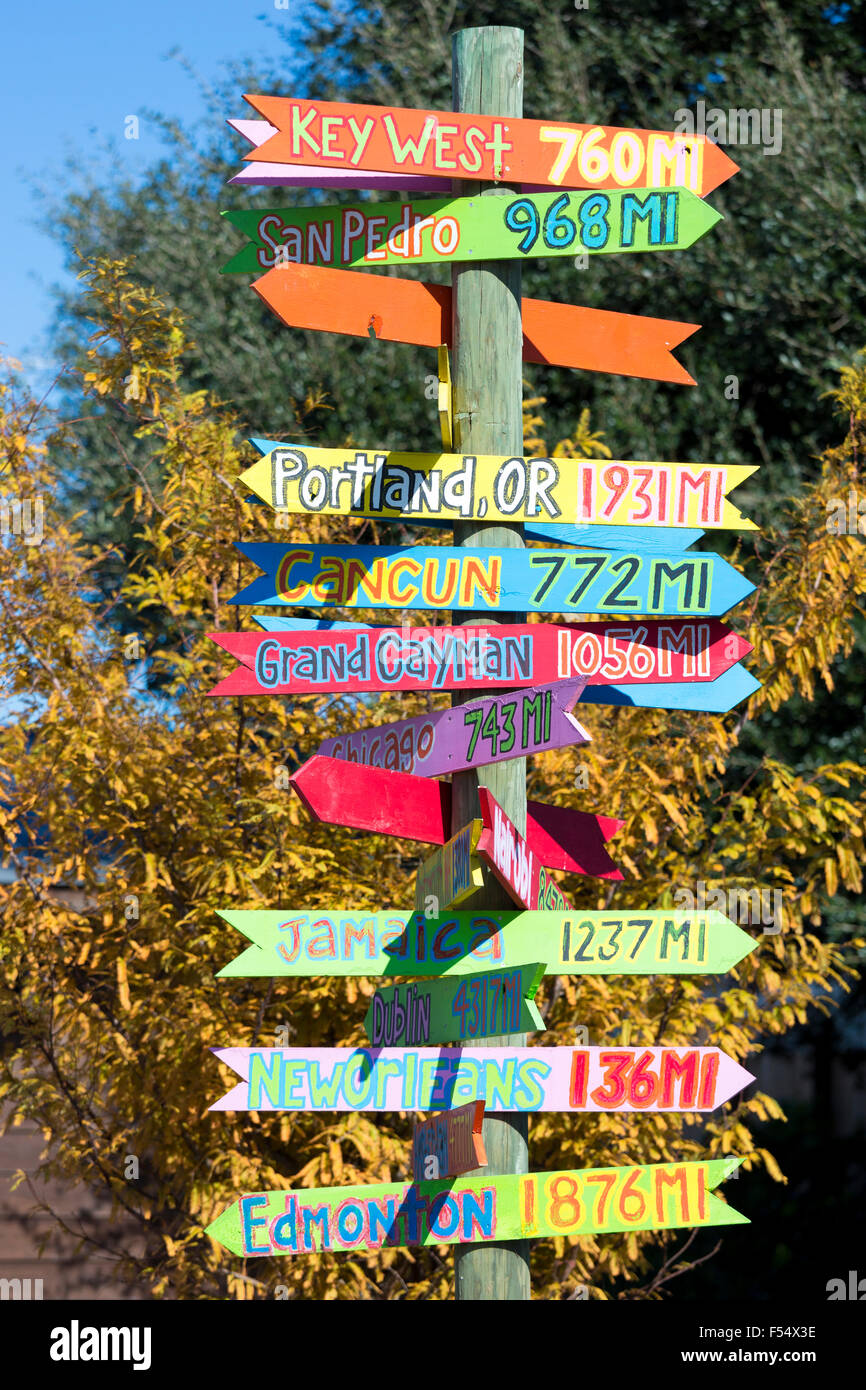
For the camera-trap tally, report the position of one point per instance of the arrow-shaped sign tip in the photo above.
(224, 1229)
(731, 1165)
(267, 446)
(738, 943)
(733, 1079)
(718, 166)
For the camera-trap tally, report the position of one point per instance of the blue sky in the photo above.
(74, 70)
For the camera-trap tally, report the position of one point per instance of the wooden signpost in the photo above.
(300, 658)
(459, 145)
(449, 1144)
(407, 311)
(524, 1079)
(437, 230)
(449, 487)
(656, 1196)
(475, 971)
(492, 581)
(417, 808)
(479, 1005)
(296, 942)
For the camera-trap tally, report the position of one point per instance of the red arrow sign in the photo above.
(358, 658)
(417, 808)
(559, 154)
(407, 311)
(514, 860)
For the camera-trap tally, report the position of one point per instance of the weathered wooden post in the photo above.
(487, 380)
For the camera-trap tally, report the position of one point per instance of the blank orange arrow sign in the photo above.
(407, 311)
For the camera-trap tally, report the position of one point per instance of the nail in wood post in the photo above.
(486, 375)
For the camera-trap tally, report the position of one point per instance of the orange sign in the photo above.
(407, 311)
(557, 154)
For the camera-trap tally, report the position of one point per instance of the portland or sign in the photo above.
(495, 487)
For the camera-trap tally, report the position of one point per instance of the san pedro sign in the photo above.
(470, 229)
